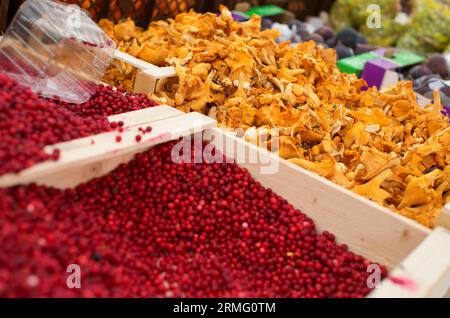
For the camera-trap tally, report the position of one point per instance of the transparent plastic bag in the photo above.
(56, 50)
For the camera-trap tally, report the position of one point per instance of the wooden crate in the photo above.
(418, 257)
(392, 237)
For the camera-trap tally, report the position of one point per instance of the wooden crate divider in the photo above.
(148, 75)
(99, 154)
(130, 119)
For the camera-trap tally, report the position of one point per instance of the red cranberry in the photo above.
(28, 123)
(153, 228)
(106, 101)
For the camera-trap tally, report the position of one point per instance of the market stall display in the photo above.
(382, 145)
(421, 25)
(250, 166)
(355, 231)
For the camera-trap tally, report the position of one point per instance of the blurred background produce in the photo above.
(419, 26)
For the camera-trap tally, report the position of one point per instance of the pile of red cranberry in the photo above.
(107, 101)
(28, 123)
(154, 228)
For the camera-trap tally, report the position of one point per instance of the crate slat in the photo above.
(103, 147)
(444, 217)
(127, 58)
(130, 119)
(424, 273)
(147, 75)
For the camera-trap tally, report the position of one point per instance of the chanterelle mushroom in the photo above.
(372, 189)
(327, 123)
(420, 190)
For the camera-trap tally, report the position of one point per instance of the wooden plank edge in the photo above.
(147, 81)
(105, 147)
(140, 117)
(148, 75)
(424, 273)
(138, 63)
(368, 228)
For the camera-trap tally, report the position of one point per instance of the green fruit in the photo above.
(430, 27)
